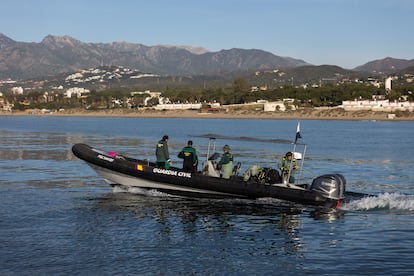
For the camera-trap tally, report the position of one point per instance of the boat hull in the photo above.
(115, 178)
(143, 174)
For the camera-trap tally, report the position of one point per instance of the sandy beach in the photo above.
(302, 114)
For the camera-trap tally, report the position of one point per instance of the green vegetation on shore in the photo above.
(239, 93)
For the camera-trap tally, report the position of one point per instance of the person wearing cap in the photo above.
(189, 154)
(162, 154)
(288, 162)
(226, 162)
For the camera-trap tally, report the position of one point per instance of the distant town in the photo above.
(112, 87)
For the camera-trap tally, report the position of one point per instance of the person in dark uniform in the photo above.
(162, 154)
(189, 154)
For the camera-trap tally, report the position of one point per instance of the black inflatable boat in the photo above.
(326, 190)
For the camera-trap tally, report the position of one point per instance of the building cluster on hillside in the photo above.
(105, 74)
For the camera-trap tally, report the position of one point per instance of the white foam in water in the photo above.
(386, 201)
(139, 191)
(119, 189)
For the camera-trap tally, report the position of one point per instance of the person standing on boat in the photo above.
(189, 154)
(226, 162)
(162, 154)
(286, 164)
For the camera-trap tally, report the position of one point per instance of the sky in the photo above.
(347, 33)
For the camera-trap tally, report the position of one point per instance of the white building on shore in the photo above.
(388, 83)
(377, 105)
(178, 106)
(274, 106)
(78, 91)
(279, 105)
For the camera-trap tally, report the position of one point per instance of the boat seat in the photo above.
(210, 168)
(214, 156)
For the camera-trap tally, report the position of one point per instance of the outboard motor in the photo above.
(329, 185)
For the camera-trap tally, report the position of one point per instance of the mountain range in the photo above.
(64, 54)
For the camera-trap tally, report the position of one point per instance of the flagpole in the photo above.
(301, 164)
(291, 162)
(294, 149)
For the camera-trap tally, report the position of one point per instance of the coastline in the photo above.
(300, 114)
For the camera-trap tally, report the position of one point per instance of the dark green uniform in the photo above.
(162, 154)
(190, 162)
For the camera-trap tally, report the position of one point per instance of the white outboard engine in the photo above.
(329, 185)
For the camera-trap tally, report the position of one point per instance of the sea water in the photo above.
(58, 217)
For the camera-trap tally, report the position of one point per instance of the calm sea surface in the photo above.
(58, 217)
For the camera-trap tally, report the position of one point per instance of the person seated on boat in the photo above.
(162, 154)
(286, 164)
(226, 162)
(189, 154)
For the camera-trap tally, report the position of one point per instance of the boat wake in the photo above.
(139, 191)
(382, 202)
